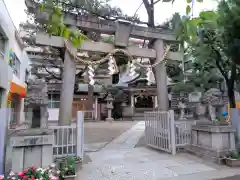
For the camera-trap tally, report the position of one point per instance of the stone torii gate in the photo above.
(122, 31)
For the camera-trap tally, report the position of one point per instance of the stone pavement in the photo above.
(120, 160)
(98, 134)
(237, 177)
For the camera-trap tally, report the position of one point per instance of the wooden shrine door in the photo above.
(77, 106)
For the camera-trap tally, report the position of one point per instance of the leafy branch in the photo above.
(55, 25)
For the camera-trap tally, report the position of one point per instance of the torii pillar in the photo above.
(161, 77)
(67, 89)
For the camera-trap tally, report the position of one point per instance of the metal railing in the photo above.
(183, 132)
(164, 133)
(65, 140)
(69, 140)
(158, 130)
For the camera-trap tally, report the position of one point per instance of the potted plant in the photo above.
(67, 168)
(33, 173)
(233, 159)
(78, 161)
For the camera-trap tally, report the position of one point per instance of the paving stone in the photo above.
(190, 169)
(93, 147)
(120, 160)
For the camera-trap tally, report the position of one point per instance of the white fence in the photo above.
(183, 132)
(157, 130)
(69, 140)
(65, 142)
(164, 133)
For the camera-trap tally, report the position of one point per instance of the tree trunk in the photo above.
(231, 85)
(67, 90)
(231, 96)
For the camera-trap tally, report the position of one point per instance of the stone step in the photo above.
(138, 115)
(138, 119)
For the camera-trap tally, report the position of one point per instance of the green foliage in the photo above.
(234, 155)
(229, 18)
(173, 70)
(67, 166)
(214, 43)
(55, 25)
(183, 87)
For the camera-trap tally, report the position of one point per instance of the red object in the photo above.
(33, 169)
(21, 174)
(22, 95)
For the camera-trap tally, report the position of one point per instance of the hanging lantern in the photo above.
(111, 65)
(91, 75)
(132, 71)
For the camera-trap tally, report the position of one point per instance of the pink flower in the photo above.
(53, 177)
(25, 177)
(33, 169)
(11, 173)
(21, 174)
(1, 177)
(32, 178)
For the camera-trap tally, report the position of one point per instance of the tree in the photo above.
(211, 39)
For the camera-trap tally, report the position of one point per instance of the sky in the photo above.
(163, 11)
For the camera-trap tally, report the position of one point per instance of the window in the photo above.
(2, 45)
(15, 64)
(53, 100)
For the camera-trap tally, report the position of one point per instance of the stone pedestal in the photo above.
(234, 119)
(31, 147)
(212, 141)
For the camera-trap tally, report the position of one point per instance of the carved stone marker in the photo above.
(31, 147)
(36, 103)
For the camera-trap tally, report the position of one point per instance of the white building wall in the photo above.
(7, 26)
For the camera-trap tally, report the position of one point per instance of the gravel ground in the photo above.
(98, 132)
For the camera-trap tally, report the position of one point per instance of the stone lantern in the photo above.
(109, 108)
(182, 107)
